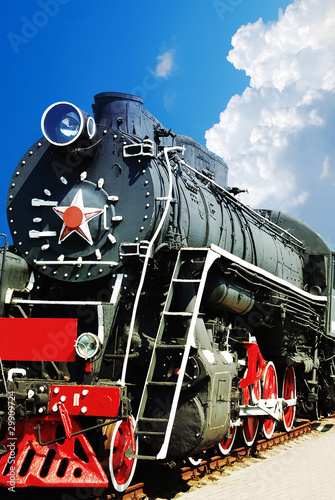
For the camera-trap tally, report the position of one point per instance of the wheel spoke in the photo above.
(289, 392)
(121, 467)
(270, 391)
(250, 424)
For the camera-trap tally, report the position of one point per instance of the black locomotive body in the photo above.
(145, 311)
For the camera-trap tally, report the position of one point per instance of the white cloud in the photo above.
(277, 137)
(165, 64)
(169, 99)
(325, 168)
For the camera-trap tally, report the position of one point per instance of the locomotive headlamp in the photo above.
(63, 123)
(87, 345)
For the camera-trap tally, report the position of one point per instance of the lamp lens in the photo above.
(70, 125)
(91, 128)
(87, 345)
(62, 124)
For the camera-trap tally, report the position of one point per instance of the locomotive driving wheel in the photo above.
(250, 424)
(270, 391)
(289, 392)
(121, 467)
(226, 445)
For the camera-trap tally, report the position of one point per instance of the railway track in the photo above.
(167, 481)
(164, 478)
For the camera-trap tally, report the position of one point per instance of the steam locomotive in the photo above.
(146, 312)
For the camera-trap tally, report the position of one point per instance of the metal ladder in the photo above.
(163, 341)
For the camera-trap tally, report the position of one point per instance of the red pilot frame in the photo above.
(53, 449)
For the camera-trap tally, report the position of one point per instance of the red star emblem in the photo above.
(75, 218)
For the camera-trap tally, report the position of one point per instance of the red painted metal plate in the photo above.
(38, 339)
(256, 365)
(85, 400)
(57, 464)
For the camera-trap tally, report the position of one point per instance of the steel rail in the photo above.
(210, 465)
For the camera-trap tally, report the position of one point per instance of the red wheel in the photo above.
(226, 444)
(122, 468)
(270, 391)
(250, 424)
(289, 392)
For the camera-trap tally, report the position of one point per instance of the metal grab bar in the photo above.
(3, 261)
(148, 254)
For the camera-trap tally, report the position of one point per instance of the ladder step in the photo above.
(150, 433)
(152, 419)
(166, 384)
(140, 457)
(170, 346)
(181, 280)
(182, 313)
(178, 313)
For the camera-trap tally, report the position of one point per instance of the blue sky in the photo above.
(174, 54)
